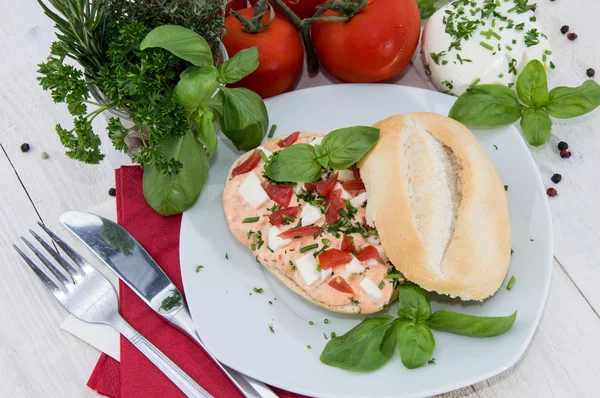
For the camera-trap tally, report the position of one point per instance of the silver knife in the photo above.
(134, 266)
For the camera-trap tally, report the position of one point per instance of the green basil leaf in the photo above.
(206, 130)
(487, 105)
(348, 145)
(426, 8)
(470, 325)
(173, 194)
(414, 304)
(295, 163)
(196, 86)
(416, 343)
(568, 102)
(536, 125)
(183, 42)
(322, 156)
(244, 118)
(365, 348)
(216, 104)
(532, 84)
(239, 66)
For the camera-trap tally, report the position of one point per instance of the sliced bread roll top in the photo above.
(439, 205)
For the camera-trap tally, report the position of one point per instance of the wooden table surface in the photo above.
(37, 359)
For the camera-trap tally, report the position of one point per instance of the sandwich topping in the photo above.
(315, 233)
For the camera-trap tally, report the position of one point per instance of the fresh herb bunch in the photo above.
(492, 105)
(372, 343)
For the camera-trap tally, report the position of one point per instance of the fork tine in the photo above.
(65, 264)
(51, 286)
(80, 261)
(59, 275)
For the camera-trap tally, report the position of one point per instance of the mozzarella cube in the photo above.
(359, 200)
(325, 273)
(345, 175)
(354, 266)
(373, 239)
(372, 290)
(307, 266)
(275, 242)
(316, 141)
(310, 214)
(251, 191)
(345, 194)
(382, 254)
(298, 188)
(372, 262)
(265, 151)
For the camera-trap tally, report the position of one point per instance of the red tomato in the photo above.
(368, 252)
(339, 283)
(337, 203)
(356, 171)
(248, 165)
(322, 187)
(235, 5)
(280, 193)
(332, 257)
(353, 185)
(289, 140)
(280, 53)
(302, 8)
(375, 45)
(300, 231)
(276, 217)
(347, 245)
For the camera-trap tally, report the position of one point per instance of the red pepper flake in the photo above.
(551, 192)
(565, 154)
(572, 36)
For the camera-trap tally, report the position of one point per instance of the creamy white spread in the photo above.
(286, 256)
(482, 42)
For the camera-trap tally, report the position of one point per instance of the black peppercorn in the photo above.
(590, 72)
(572, 36)
(25, 147)
(112, 192)
(564, 29)
(565, 154)
(556, 178)
(562, 146)
(551, 192)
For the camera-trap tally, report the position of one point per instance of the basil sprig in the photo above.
(339, 149)
(368, 346)
(493, 105)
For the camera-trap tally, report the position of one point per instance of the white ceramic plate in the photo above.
(233, 320)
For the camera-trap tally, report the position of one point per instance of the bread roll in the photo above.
(439, 205)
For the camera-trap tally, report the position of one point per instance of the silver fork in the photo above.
(89, 296)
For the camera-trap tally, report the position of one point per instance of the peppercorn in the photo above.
(44, 155)
(564, 29)
(25, 147)
(556, 178)
(565, 154)
(112, 192)
(572, 36)
(562, 145)
(551, 192)
(590, 72)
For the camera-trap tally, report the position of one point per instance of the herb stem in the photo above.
(250, 220)
(309, 247)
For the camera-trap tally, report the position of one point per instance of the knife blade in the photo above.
(119, 250)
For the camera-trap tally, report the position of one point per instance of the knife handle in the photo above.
(173, 372)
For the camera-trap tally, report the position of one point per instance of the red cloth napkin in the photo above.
(135, 376)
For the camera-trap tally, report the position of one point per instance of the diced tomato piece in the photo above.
(277, 219)
(301, 231)
(248, 165)
(335, 202)
(339, 283)
(368, 252)
(356, 171)
(280, 193)
(332, 257)
(310, 186)
(289, 140)
(354, 185)
(322, 187)
(347, 245)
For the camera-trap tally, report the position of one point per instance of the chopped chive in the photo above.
(333, 335)
(552, 66)
(496, 146)
(270, 302)
(309, 347)
(324, 335)
(198, 268)
(271, 328)
(494, 23)
(272, 131)
(319, 267)
(309, 247)
(250, 220)
(325, 241)
(548, 52)
(485, 45)
(311, 323)
(326, 321)
(263, 156)
(510, 85)
(496, 35)
(544, 58)
(514, 41)
(253, 247)
(444, 62)
(506, 189)
(258, 290)
(226, 256)
(511, 283)
(381, 285)
(288, 218)
(501, 75)
(509, 48)
(520, 26)
(475, 82)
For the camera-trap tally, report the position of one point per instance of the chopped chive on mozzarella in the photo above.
(345, 175)
(275, 242)
(369, 287)
(298, 188)
(265, 151)
(354, 266)
(316, 141)
(307, 266)
(310, 214)
(251, 191)
(359, 200)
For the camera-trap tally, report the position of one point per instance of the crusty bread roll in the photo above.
(439, 205)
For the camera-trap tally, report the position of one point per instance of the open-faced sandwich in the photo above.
(436, 206)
